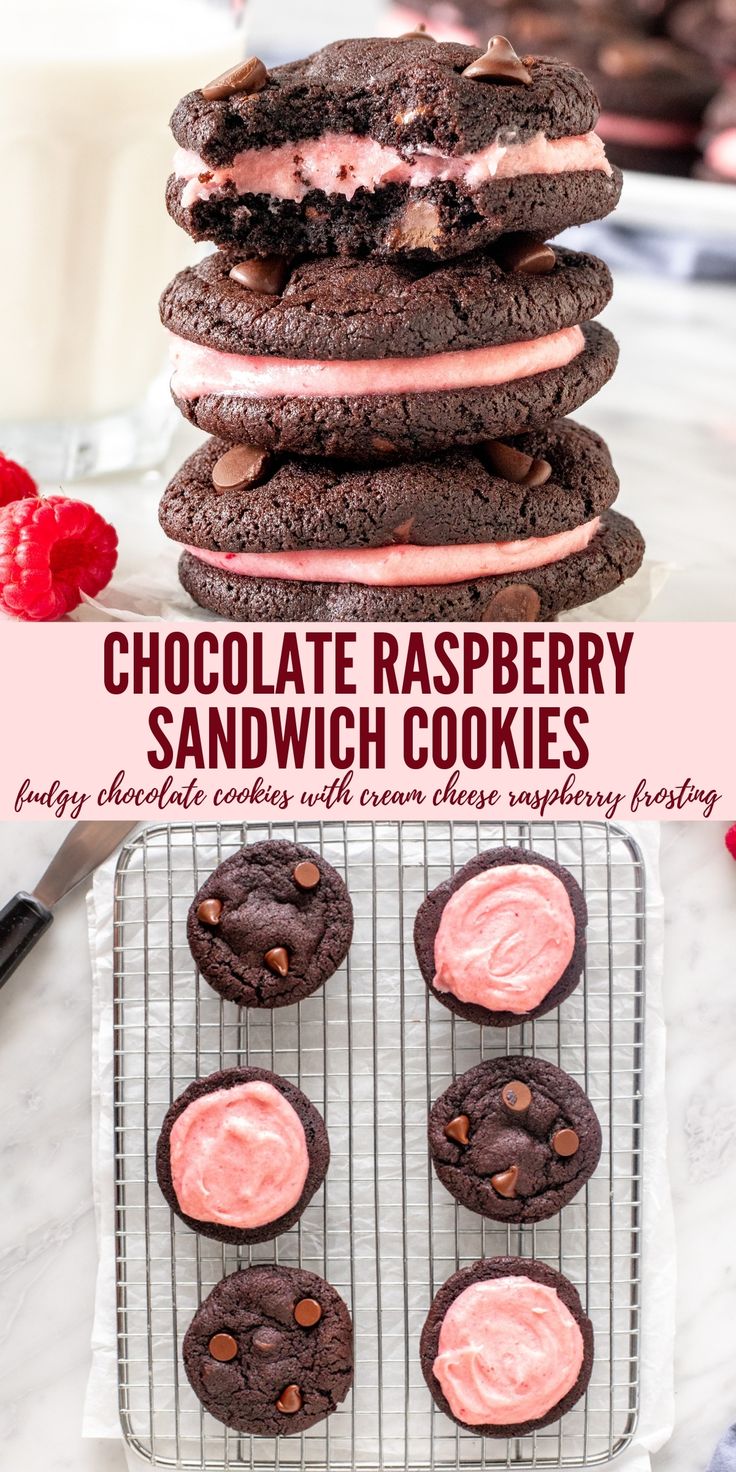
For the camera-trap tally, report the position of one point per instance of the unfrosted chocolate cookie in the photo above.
(298, 504)
(270, 1351)
(241, 1154)
(271, 924)
(403, 361)
(614, 554)
(381, 146)
(515, 939)
(514, 1139)
(512, 1357)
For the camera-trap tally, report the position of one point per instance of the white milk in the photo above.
(86, 246)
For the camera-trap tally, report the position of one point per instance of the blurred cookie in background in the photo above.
(719, 137)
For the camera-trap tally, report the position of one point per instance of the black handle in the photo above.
(22, 922)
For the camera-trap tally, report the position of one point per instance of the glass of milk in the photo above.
(86, 246)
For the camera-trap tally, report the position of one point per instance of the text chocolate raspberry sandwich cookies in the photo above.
(503, 940)
(270, 1350)
(271, 924)
(514, 1139)
(358, 321)
(240, 1155)
(507, 1348)
(377, 146)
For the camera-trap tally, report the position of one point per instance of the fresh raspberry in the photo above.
(15, 482)
(51, 551)
(731, 840)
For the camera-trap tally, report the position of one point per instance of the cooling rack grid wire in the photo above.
(372, 1051)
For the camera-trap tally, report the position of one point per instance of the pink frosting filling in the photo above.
(341, 163)
(201, 370)
(721, 153)
(239, 1156)
(402, 566)
(618, 127)
(505, 938)
(509, 1351)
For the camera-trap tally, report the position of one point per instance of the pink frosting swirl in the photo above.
(509, 1351)
(505, 938)
(239, 1156)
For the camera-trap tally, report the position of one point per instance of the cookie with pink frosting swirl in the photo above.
(241, 1154)
(503, 940)
(507, 1347)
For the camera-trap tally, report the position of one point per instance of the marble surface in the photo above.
(47, 1237)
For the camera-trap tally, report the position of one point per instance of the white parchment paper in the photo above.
(658, 1268)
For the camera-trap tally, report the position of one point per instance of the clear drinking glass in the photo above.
(86, 246)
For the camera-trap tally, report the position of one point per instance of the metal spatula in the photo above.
(25, 918)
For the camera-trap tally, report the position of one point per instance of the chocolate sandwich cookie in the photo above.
(514, 1139)
(653, 94)
(718, 139)
(270, 1351)
(362, 359)
(707, 27)
(270, 925)
(506, 1348)
(256, 522)
(536, 485)
(503, 940)
(241, 1154)
(541, 27)
(613, 554)
(390, 147)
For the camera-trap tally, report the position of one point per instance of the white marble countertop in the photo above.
(47, 1233)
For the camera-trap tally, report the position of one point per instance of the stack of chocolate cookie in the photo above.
(383, 346)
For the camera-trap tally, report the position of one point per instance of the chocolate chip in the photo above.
(516, 1096)
(277, 960)
(223, 1347)
(248, 76)
(383, 446)
(521, 253)
(498, 64)
(514, 465)
(306, 875)
(290, 1400)
(242, 466)
(307, 1312)
(505, 1182)
(267, 1341)
(458, 1129)
(565, 1142)
(420, 34)
(266, 274)
(515, 604)
(209, 912)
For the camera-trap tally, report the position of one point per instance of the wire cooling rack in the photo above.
(372, 1051)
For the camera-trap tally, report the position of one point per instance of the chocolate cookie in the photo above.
(292, 504)
(614, 554)
(538, 909)
(241, 1154)
(707, 27)
(653, 94)
(514, 1139)
(530, 1350)
(270, 925)
(402, 360)
(391, 148)
(270, 1351)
